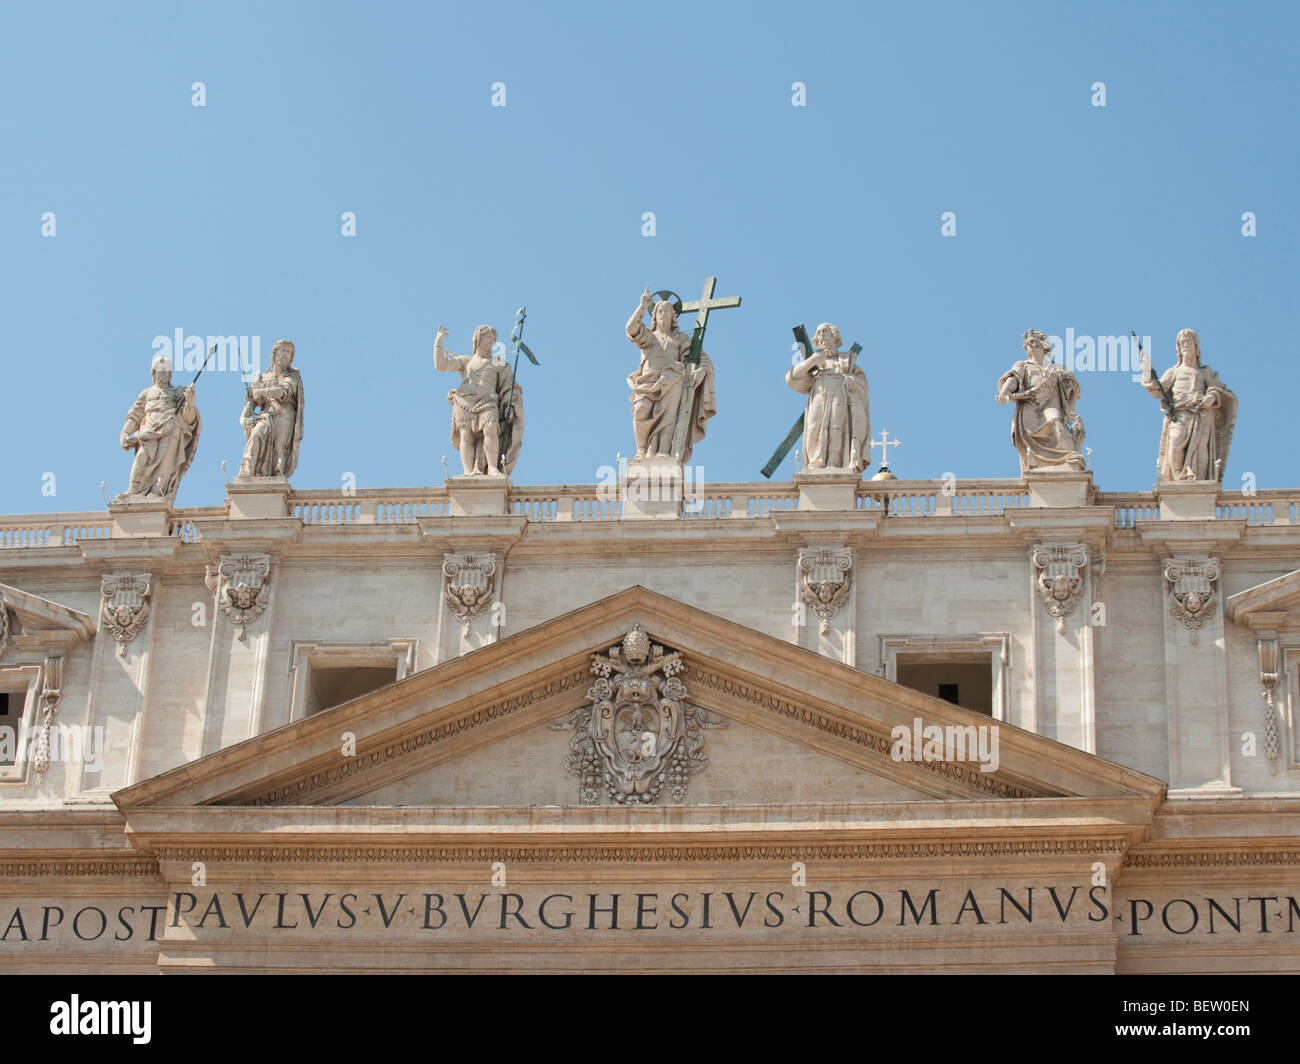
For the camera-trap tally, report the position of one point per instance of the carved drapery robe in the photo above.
(166, 431)
(657, 387)
(275, 434)
(837, 423)
(1195, 447)
(1045, 431)
(485, 391)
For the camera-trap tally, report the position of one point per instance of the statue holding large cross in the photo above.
(836, 425)
(673, 392)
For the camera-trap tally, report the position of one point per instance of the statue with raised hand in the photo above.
(1200, 414)
(480, 406)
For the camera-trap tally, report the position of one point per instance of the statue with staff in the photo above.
(1200, 414)
(487, 410)
(162, 427)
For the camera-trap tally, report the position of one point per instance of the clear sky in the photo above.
(227, 218)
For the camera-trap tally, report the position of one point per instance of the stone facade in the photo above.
(417, 730)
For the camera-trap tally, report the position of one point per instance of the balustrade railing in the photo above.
(721, 501)
(943, 498)
(53, 530)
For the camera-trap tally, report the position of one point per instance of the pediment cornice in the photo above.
(539, 675)
(44, 625)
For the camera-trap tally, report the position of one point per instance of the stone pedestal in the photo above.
(1188, 500)
(258, 497)
(1063, 487)
(652, 488)
(828, 489)
(485, 496)
(140, 517)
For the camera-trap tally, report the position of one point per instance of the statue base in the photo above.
(140, 516)
(1059, 486)
(828, 489)
(652, 488)
(258, 497)
(1188, 500)
(479, 496)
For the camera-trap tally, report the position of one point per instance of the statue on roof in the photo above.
(272, 418)
(162, 427)
(1200, 414)
(1046, 430)
(486, 400)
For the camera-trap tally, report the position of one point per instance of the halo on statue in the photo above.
(671, 297)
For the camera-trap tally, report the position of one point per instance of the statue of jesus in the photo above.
(1195, 440)
(657, 383)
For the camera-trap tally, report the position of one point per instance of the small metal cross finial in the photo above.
(884, 443)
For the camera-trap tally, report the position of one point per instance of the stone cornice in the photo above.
(82, 866)
(965, 778)
(1086, 847)
(450, 709)
(1266, 856)
(43, 618)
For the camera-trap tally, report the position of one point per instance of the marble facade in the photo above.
(373, 724)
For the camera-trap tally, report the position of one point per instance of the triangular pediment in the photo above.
(492, 714)
(41, 624)
(1273, 604)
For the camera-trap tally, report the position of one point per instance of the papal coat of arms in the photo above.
(638, 738)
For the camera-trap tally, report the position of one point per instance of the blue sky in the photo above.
(226, 219)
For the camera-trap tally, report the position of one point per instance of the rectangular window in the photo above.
(328, 674)
(968, 684)
(971, 671)
(19, 690)
(332, 685)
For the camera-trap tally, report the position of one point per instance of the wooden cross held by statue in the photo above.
(778, 456)
(701, 306)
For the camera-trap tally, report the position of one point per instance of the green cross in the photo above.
(701, 306)
(778, 456)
